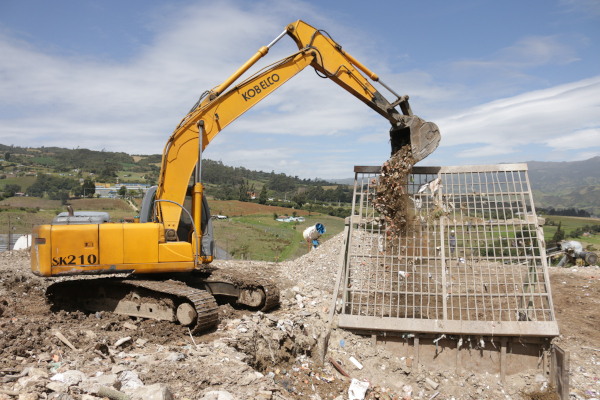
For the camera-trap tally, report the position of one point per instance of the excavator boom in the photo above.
(218, 109)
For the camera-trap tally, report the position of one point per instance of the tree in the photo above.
(87, 189)
(7, 156)
(559, 234)
(262, 197)
(122, 191)
(90, 188)
(243, 194)
(275, 215)
(11, 189)
(299, 199)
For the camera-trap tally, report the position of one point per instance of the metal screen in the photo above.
(469, 260)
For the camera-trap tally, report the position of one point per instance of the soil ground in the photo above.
(255, 355)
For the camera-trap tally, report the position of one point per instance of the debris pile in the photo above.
(391, 199)
(253, 355)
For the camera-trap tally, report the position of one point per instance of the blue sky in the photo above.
(505, 81)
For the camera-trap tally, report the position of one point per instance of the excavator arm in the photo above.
(220, 107)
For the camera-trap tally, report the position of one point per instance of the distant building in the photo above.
(286, 218)
(106, 191)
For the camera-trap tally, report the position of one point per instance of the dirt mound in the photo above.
(254, 355)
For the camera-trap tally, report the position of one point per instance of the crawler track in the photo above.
(105, 294)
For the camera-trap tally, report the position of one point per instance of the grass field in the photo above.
(569, 224)
(23, 181)
(234, 208)
(260, 237)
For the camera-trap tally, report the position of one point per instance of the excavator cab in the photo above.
(185, 229)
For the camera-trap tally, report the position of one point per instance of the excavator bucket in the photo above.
(423, 137)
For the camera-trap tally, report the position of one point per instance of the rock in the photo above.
(431, 383)
(540, 378)
(58, 387)
(28, 382)
(44, 357)
(173, 357)
(147, 359)
(28, 396)
(88, 397)
(129, 325)
(59, 396)
(90, 335)
(104, 380)
(249, 378)
(141, 342)
(265, 394)
(118, 369)
(71, 377)
(39, 372)
(129, 380)
(217, 395)
(158, 391)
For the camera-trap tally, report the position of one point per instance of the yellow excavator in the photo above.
(165, 255)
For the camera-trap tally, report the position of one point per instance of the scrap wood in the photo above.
(65, 340)
(9, 392)
(338, 367)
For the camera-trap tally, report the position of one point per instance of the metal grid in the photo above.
(470, 260)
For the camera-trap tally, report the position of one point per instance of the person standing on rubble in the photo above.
(452, 242)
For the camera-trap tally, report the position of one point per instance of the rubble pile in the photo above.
(294, 352)
(391, 199)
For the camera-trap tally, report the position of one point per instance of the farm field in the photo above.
(260, 237)
(234, 208)
(569, 224)
(23, 181)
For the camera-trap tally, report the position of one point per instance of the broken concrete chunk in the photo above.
(39, 372)
(129, 325)
(58, 387)
(249, 378)
(71, 377)
(158, 391)
(217, 395)
(173, 357)
(130, 380)
(431, 383)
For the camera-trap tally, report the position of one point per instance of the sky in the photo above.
(505, 81)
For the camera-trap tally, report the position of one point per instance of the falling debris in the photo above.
(391, 200)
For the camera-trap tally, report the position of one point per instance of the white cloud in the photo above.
(310, 127)
(588, 8)
(583, 139)
(532, 118)
(585, 155)
(528, 52)
(55, 100)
